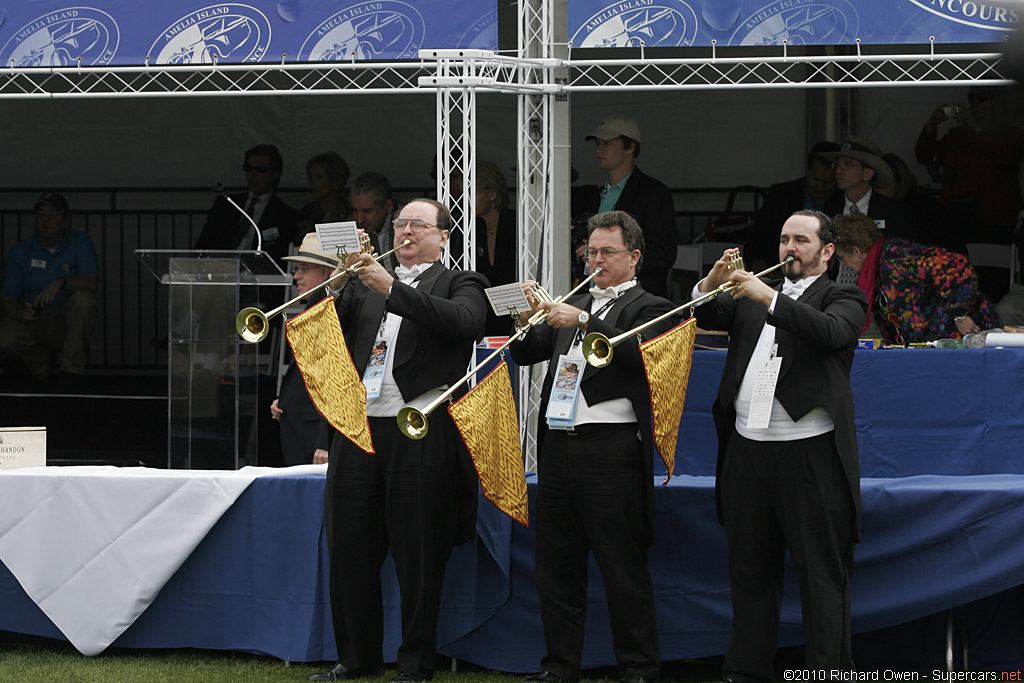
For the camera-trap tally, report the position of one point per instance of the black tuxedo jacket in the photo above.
(899, 220)
(623, 377)
(443, 316)
(222, 222)
(817, 335)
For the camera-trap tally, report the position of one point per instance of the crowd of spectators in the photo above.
(974, 150)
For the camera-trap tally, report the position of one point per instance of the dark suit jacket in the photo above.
(817, 335)
(762, 242)
(442, 318)
(899, 220)
(649, 201)
(303, 428)
(623, 377)
(506, 264)
(222, 221)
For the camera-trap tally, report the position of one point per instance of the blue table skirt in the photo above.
(919, 411)
(258, 582)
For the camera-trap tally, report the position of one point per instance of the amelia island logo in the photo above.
(799, 22)
(992, 15)
(225, 33)
(483, 34)
(632, 23)
(384, 29)
(64, 37)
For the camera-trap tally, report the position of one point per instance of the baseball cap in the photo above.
(55, 200)
(614, 126)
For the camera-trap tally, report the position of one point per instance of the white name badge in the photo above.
(373, 376)
(561, 410)
(37, 263)
(764, 394)
(271, 234)
(880, 223)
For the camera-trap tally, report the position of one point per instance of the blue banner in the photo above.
(677, 23)
(49, 33)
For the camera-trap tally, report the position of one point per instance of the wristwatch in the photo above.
(583, 319)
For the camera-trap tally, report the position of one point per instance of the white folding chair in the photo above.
(989, 255)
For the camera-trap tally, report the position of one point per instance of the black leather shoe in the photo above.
(340, 673)
(546, 677)
(403, 677)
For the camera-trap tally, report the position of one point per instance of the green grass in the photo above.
(59, 663)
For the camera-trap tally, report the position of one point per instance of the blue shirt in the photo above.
(611, 193)
(30, 266)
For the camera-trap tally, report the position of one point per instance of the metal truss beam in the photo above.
(212, 80)
(483, 70)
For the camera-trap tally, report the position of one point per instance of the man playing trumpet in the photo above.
(595, 489)
(417, 498)
(787, 474)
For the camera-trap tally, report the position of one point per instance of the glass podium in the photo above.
(213, 375)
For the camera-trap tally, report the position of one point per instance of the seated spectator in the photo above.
(933, 224)
(915, 293)
(817, 186)
(49, 293)
(373, 209)
(497, 249)
(617, 143)
(860, 172)
(304, 431)
(227, 228)
(328, 182)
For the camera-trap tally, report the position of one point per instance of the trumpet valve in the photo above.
(736, 262)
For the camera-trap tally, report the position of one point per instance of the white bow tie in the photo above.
(408, 274)
(793, 289)
(604, 294)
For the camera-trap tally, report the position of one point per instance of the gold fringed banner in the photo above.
(318, 345)
(486, 419)
(667, 360)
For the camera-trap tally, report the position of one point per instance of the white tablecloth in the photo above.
(92, 546)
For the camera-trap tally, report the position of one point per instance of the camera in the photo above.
(950, 110)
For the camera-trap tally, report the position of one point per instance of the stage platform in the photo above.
(943, 493)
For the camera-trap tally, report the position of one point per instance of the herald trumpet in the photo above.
(253, 325)
(412, 421)
(598, 349)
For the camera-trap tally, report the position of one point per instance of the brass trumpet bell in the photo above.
(252, 325)
(412, 423)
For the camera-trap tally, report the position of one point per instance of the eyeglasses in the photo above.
(846, 164)
(415, 224)
(256, 169)
(607, 252)
(305, 267)
(48, 215)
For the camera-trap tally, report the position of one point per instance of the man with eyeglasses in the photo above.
(596, 467)
(411, 336)
(227, 228)
(305, 434)
(49, 294)
(860, 168)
